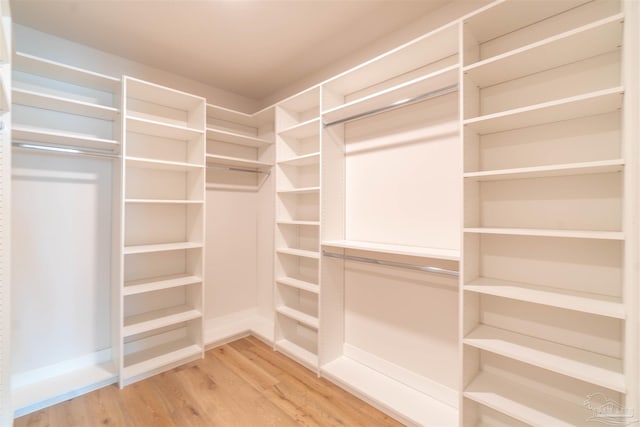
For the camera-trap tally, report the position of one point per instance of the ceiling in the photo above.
(250, 47)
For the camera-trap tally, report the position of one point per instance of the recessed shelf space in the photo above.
(161, 129)
(141, 363)
(234, 138)
(298, 284)
(295, 114)
(157, 319)
(577, 44)
(298, 316)
(303, 160)
(302, 130)
(237, 162)
(147, 163)
(134, 287)
(297, 352)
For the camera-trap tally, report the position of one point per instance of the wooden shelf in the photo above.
(590, 104)
(524, 404)
(156, 319)
(160, 129)
(306, 190)
(146, 163)
(294, 222)
(304, 160)
(572, 234)
(394, 95)
(298, 353)
(162, 247)
(237, 161)
(298, 284)
(63, 387)
(580, 43)
(149, 360)
(135, 287)
(574, 362)
(66, 105)
(572, 300)
(495, 20)
(302, 130)
(403, 402)
(164, 201)
(66, 73)
(236, 138)
(64, 139)
(437, 253)
(583, 168)
(299, 252)
(299, 316)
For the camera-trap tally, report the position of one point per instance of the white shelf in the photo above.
(583, 168)
(161, 129)
(162, 95)
(135, 287)
(584, 42)
(404, 402)
(236, 138)
(233, 187)
(66, 73)
(298, 284)
(306, 190)
(59, 388)
(524, 404)
(237, 161)
(298, 353)
(574, 362)
(4, 91)
(437, 253)
(572, 300)
(299, 316)
(573, 234)
(585, 105)
(304, 160)
(302, 130)
(299, 252)
(66, 105)
(163, 247)
(149, 360)
(156, 319)
(65, 139)
(146, 163)
(164, 201)
(294, 222)
(394, 95)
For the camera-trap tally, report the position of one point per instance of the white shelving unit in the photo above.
(374, 233)
(239, 148)
(544, 150)
(297, 231)
(161, 297)
(64, 106)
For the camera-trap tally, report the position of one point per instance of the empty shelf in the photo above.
(161, 129)
(149, 360)
(304, 160)
(156, 319)
(299, 316)
(298, 284)
(65, 139)
(583, 168)
(574, 362)
(65, 105)
(134, 287)
(295, 222)
(236, 138)
(299, 252)
(535, 232)
(572, 300)
(438, 253)
(236, 161)
(302, 130)
(164, 201)
(298, 353)
(162, 247)
(306, 190)
(146, 163)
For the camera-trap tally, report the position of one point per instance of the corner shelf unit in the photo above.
(64, 106)
(546, 237)
(297, 229)
(239, 148)
(161, 296)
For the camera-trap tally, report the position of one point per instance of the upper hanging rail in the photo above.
(236, 169)
(68, 151)
(422, 97)
(425, 268)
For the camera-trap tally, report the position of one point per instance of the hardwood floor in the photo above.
(241, 384)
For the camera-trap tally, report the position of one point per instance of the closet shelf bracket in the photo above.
(425, 268)
(418, 98)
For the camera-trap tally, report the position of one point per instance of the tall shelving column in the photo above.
(160, 303)
(297, 233)
(6, 411)
(546, 327)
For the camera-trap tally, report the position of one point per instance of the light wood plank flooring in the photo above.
(241, 384)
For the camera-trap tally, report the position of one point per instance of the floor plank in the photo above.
(241, 384)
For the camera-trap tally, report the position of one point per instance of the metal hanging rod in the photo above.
(424, 268)
(423, 97)
(235, 169)
(68, 151)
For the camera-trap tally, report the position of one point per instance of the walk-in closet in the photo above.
(444, 223)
